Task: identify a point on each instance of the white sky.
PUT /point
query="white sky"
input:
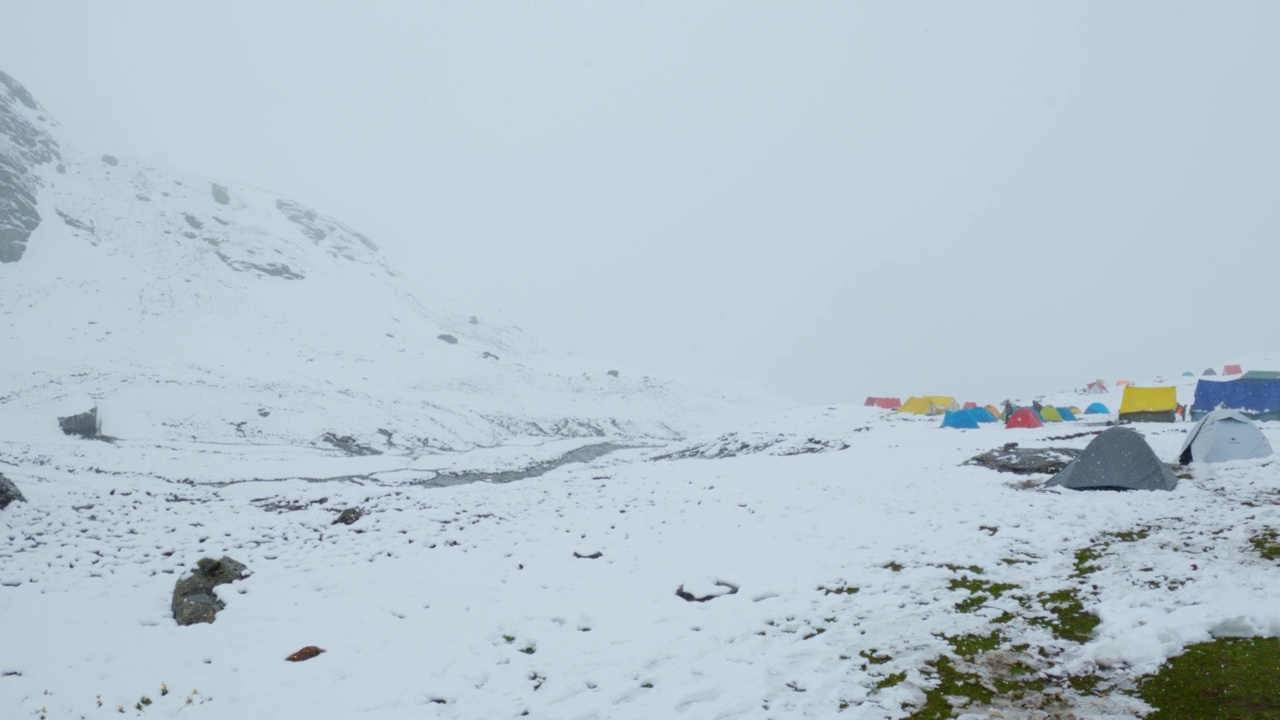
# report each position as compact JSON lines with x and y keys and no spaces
{"x":828,"y":199}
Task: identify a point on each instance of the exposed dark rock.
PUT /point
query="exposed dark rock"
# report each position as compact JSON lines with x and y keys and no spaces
{"x":73,"y":222}
{"x":193,"y":598}
{"x":62,"y":169}
{"x":221,"y":221}
{"x":730,"y":589}
{"x":9,"y":492}
{"x":193,"y":221}
{"x":110,"y":160}
{"x":613,"y":373}
{"x":337,"y":237}
{"x":142,"y":197}
{"x":279,"y":270}
{"x":189,"y":235}
{"x":734,"y":444}
{"x":474,"y":320}
{"x":220,"y":195}
{"x":24,"y":143}
{"x":593,"y":556}
{"x":448,"y":338}
{"x":85,"y":425}
{"x":348,"y":444}
{"x":348,"y":516}
{"x":263,"y":412}
{"x":1025,"y":461}
{"x":488,"y":355}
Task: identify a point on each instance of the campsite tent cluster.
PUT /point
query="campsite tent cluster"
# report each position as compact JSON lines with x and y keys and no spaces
{"x":1120,"y":459}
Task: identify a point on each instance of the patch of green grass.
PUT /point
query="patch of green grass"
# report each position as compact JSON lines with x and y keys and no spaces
{"x":1139,"y":533}
{"x":975,"y":569}
{"x":844,"y":590}
{"x":894,"y":566}
{"x":1071,"y":621}
{"x":872,"y":658}
{"x":1267,"y":543}
{"x":1084,"y":684}
{"x":951,"y":683}
{"x":980,"y":592}
{"x":1227,"y":679}
{"x":1084,"y":556}
{"x":890,"y":680}
{"x":970,"y":645}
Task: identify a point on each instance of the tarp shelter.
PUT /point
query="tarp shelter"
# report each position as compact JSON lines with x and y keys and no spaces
{"x":1096,"y":409}
{"x":1066,"y":414}
{"x":1097,"y":387}
{"x":1149,"y":404}
{"x":1049,"y":413}
{"x":961,"y":419}
{"x":1209,"y":371}
{"x":1118,"y":459}
{"x":883,"y":402}
{"x":1261,"y":375}
{"x":1024,"y":417}
{"x":1231,"y":370}
{"x":1258,"y":398}
{"x":1224,"y":435}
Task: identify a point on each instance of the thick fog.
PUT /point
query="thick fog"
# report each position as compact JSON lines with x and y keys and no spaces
{"x":826,"y":199}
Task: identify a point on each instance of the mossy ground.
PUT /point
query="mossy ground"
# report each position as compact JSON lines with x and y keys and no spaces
{"x":1227,"y":679}
{"x":1267,"y":543}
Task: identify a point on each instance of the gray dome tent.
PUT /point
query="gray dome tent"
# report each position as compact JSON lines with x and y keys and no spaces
{"x":1118,"y":459}
{"x":1224,"y":435}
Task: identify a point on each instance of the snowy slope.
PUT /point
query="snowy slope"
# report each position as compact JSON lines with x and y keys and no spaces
{"x":190,"y":309}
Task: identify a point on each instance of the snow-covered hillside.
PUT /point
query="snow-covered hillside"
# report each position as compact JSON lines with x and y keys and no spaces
{"x":470,"y":525}
{"x":187,"y":309}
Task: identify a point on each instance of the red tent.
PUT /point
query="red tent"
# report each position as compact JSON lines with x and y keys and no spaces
{"x":1024,"y":418}
{"x":1231,"y":370}
{"x":969,"y":405}
{"x":886,"y":403}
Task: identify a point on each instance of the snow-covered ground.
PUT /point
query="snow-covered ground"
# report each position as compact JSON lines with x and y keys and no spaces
{"x":472,"y":601}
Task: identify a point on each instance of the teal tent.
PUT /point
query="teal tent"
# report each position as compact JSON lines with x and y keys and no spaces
{"x":1096,"y":409}
{"x":960,"y":419}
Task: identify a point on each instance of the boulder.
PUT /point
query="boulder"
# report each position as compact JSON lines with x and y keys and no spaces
{"x":84,"y":424}
{"x":193,"y":598}
{"x":348,"y":516}
{"x":448,"y":338}
{"x":9,"y":492}
{"x":110,"y":160}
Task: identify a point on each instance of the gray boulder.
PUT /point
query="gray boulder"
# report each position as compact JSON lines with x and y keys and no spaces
{"x":193,"y":598}
{"x":85,"y":424}
{"x":9,"y":493}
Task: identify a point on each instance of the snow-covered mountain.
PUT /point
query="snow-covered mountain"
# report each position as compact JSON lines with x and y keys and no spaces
{"x":191,"y":309}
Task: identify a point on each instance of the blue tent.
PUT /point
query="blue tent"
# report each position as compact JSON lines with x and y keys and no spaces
{"x":960,"y":419}
{"x":1258,"y":397}
{"x":1066,"y":414}
{"x":1096,"y":409}
{"x":981,"y":414}
{"x":1188,"y":374}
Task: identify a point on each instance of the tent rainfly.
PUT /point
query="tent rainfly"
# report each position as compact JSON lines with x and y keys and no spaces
{"x":1209,"y":371}
{"x":1118,"y":459}
{"x":1024,"y":417}
{"x":929,"y":405}
{"x":1049,"y":413}
{"x":1096,"y":409}
{"x":1224,"y":435}
{"x":1258,"y":398}
{"x":960,"y":419}
{"x":1149,"y":404}
{"x":1066,"y":414}
{"x":1231,"y":370}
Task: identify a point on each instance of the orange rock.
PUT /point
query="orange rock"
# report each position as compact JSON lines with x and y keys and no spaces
{"x":305,"y":653}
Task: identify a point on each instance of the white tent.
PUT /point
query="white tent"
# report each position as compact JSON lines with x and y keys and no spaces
{"x":1224,"y":435}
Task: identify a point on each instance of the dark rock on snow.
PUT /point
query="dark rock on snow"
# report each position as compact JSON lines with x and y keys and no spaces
{"x":448,"y":338}
{"x":348,"y":516}
{"x":110,"y":160}
{"x":9,"y":493}
{"x":24,"y":144}
{"x":348,"y":444}
{"x":730,"y":589}
{"x":220,"y":195}
{"x":1025,"y":461}
{"x":193,"y":598}
{"x":85,"y":424}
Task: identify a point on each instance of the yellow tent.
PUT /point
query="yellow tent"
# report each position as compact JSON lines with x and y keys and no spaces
{"x":1049,"y":413}
{"x":1149,"y":404}
{"x":928,"y":405}
{"x":993,"y":410}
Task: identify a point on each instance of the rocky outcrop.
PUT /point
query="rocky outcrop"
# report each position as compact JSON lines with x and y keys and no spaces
{"x":193,"y":598}
{"x":25,"y":143}
{"x":334,"y":235}
{"x":9,"y":493}
{"x":1025,"y":461}
{"x":348,"y":444}
{"x":220,"y":195}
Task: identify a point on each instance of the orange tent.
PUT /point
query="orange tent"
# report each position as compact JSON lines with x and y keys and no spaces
{"x":1231,"y":370}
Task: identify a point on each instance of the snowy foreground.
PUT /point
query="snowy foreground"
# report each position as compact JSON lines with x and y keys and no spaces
{"x":471,"y":601}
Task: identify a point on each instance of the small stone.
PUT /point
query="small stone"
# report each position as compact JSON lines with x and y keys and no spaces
{"x":305,"y":653}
